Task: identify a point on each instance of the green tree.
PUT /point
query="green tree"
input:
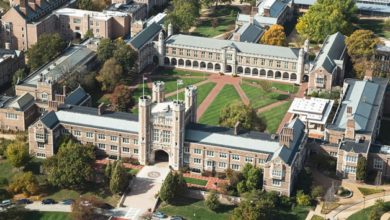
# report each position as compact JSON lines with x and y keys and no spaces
{"x":361,"y":170}
{"x":110,"y":74}
{"x":274,"y":36}
{"x":126,"y":56}
{"x":25,"y":183}
{"x":88,"y":34}
{"x":122,"y":99}
{"x":86,"y":5}
{"x":105,"y":49}
{"x":327,"y":17}
{"x":17,"y":153}
{"x":174,"y":185}
{"x":317,"y":191}
{"x":18,"y":75}
{"x":212,"y":201}
{"x":184,"y":14}
{"x":255,"y":179}
{"x":108,"y":170}
{"x":255,"y":205}
{"x":377,"y":210}
{"x":119,"y":179}
{"x":72,"y":167}
{"x":303,"y":199}
{"x":47,"y":47}
{"x":361,"y":48}
{"x":239,"y":112}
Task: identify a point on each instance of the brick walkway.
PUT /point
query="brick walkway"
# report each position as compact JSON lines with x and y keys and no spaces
{"x":212,"y":182}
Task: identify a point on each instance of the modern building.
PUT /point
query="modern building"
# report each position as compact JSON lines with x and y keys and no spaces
{"x":166,"y":131}
{"x":314,"y":112}
{"x":328,"y":68}
{"x":10,"y":62}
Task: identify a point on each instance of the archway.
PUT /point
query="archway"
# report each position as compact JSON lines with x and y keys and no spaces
{"x":155,"y":60}
{"x":263,"y":73}
{"x":247,"y":71}
{"x":285,"y":76}
{"x":161,"y":156}
{"x":228,"y":69}
{"x":166,"y":61}
{"x":278,"y":75}
{"x":181,"y":62}
{"x":270,"y":74}
{"x":195,"y":64}
{"x":217,"y":67}
{"x":174,"y":62}
{"x":188,"y":63}
{"x":305,"y":78}
{"x":202,"y":65}
{"x":76,"y":35}
{"x":210,"y":66}
{"x":255,"y":72}
{"x":293,"y":77}
{"x":239,"y":70}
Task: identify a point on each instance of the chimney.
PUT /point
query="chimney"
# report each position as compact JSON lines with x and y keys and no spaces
{"x":8,"y":45}
{"x":350,"y":129}
{"x":236,"y":36}
{"x":53,"y":106}
{"x":60,"y":98}
{"x":237,"y":128}
{"x":32,"y":4}
{"x":286,"y":136}
{"x":266,"y":12}
{"x":23,"y":6}
{"x":349,"y":112}
{"x":64,"y":90}
{"x":101,"y":109}
{"x":369,"y":74}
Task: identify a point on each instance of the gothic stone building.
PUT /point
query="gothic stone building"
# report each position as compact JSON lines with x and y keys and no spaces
{"x":166,"y":131}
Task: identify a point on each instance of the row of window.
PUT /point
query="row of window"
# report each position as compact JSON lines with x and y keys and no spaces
{"x":351,"y":159}
{"x":101,"y":136}
{"x":11,"y":116}
{"x":115,"y":148}
{"x":212,"y":164}
{"x":161,"y":136}
{"x":222,"y":155}
{"x":201,"y":54}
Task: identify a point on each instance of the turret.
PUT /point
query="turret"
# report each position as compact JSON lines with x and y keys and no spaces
{"x":170,"y":30}
{"x":306,"y":46}
{"x":158,"y":89}
{"x":190,"y":102}
{"x":178,"y":129}
{"x":161,"y":48}
{"x":144,"y":113}
{"x":300,"y":65}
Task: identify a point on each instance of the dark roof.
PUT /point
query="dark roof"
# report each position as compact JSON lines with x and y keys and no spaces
{"x":94,"y":111}
{"x":250,"y":33}
{"x":353,"y":146}
{"x":145,"y":35}
{"x":77,"y":96}
{"x":49,"y":119}
{"x":46,"y":8}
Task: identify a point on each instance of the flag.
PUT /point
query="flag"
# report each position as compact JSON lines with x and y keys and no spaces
{"x":179,"y":82}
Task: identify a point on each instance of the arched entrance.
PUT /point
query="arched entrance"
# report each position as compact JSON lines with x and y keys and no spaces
{"x":155,"y":60}
{"x":305,"y":78}
{"x":161,"y":156}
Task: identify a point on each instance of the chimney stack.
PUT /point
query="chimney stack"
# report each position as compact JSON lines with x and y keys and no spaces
{"x":101,"y":109}
{"x":23,"y":6}
{"x":53,"y":106}
{"x":8,"y":45}
{"x":237,"y":128}
{"x":349,"y":112}
{"x":266,"y":12}
{"x":286,"y":136}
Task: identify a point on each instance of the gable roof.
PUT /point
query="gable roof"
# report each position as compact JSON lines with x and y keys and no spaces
{"x":145,"y":35}
{"x":250,"y":33}
{"x":22,"y":102}
{"x":77,"y":96}
{"x":49,"y":119}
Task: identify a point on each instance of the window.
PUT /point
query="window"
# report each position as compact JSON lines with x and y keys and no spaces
{"x":378,"y":163}
{"x":261,"y":161}
{"x":44,"y":96}
{"x":320,"y":80}
{"x":223,"y":155}
{"x":135,"y":151}
{"x":285,"y":65}
{"x":278,"y":64}
{"x":351,"y":159}
{"x":349,"y":169}
{"x":294,"y":66}
{"x":235,"y":157}
{"x":126,"y":150}
{"x":126,"y":140}
{"x":101,"y":136}
{"x":235,"y":167}
{"x":270,"y":62}
{"x":77,"y":28}
{"x":249,"y":159}
{"x":11,"y":116}
{"x":41,"y":155}
{"x":333,"y":154}
{"x":77,"y":133}
{"x":210,"y":153}
{"x":186,"y":149}
{"x":262,"y":61}
{"x":188,"y":53}
{"x":41,"y":145}
{"x":156,"y":135}
{"x":39,"y":136}
{"x":197,"y":151}
{"x":218,"y":56}
{"x":166,"y":136}
{"x":97,"y":30}
{"x":97,"y":23}
{"x":135,"y":141}
{"x":180,"y":51}
{"x":185,"y":160}
{"x":203,"y":54}
{"x":114,"y":138}
{"x":276,"y":182}
{"x":101,"y":146}
{"x":210,"y":55}
{"x":114,"y":148}
{"x":276,"y":172}
{"x":210,"y":163}
{"x":89,"y":135}
{"x":197,"y":160}
{"x":255,"y":61}
{"x":173,"y":50}
{"x":76,"y":20}
{"x":247,"y":60}
{"x":222,"y":165}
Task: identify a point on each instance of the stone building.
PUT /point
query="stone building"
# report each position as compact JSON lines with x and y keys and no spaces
{"x":167,"y":131}
{"x":382,"y":58}
{"x":10,"y":62}
{"x":136,"y":11}
{"x":151,"y":4}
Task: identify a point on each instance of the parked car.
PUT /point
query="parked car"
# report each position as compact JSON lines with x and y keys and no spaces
{"x":159,"y":215}
{"x":177,"y":218}
{"x":48,"y":202}
{"x":23,"y":201}
{"x":5,"y":203}
{"x":68,"y":201}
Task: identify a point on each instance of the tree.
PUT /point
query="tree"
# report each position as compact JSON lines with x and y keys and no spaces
{"x":110,"y":74}
{"x":119,"y":179}
{"x":327,"y":17}
{"x":361,"y":168}
{"x":18,"y":75}
{"x":25,"y":183}
{"x":88,"y":34}
{"x":303,"y":199}
{"x":274,"y":36}
{"x":255,"y":205}
{"x":361,"y":48}
{"x":108,"y":170}
{"x":86,"y":5}
{"x":377,"y":210}
{"x":174,"y":185}
{"x":105,"y":49}
{"x":184,"y":14}
{"x":72,"y":167}
{"x":317,"y":191}
{"x":47,"y":47}
{"x":17,"y":153}
{"x":212,"y":201}
{"x":239,"y":112}
{"x":122,"y":99}
{"x":254,"y":179}
{"x":125,"y":55}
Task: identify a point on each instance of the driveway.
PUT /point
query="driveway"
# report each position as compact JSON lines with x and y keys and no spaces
{"x":143,"y":192}
{"x":48,"y":208}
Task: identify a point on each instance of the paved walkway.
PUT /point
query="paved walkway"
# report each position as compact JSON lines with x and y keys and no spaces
{"x":386,"y":216}
{"x":48,"y":208}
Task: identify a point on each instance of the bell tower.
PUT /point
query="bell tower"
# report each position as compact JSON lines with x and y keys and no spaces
{"x":144,"y":137}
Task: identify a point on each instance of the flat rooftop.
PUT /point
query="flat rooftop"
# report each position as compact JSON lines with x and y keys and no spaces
{"x":127,"y":8}
{"x":315,"y":109}
{"x":105,"y":15}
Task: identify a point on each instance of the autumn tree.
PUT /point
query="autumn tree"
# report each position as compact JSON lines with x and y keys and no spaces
{"x":17,"y":153}
{"x":255,"y":205}
{"x":361,"y":48}
{"x":239,"y":112}
{"x":122,"y":99}
{"x":110,"y":74}
{"x":212,"y":201}
{"x":274,"y":36}
{"x":327,"y":17}
{"x":184,"y":14}
{"x":25,"y":183}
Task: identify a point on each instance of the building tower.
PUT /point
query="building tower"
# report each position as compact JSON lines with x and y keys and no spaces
{"x":144,"y":107}
{"x":300,"y":65}
{"x":178,"y":129}
{"x":161,"y":48}
{"x":190,"y":100}
{"x":170,"y":30}
{"x":306,"y":46}
{"x":158,"y":92}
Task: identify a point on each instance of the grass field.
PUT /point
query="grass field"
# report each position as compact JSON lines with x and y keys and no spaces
{"x":225,"y":22}
{"x":375,"y":25}
{"x":368,"y":191}
{"x":196,"y":181}
{"x":203,"y":92}
{"x":258,"y":98}
{"x":227,"y":95}
{"x":364,"y":213}
{"x":177,"y":72}
{"x":279,"y":86}
{"x":170,"y":83}
{"x":195,"y":209}
{"x":296,"y":213}
{"x":34,"y":215}
{"x":274,"y":117}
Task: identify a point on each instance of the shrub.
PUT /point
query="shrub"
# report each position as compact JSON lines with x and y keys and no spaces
{"x":303,"y":199}
{"x":212,"y":201}
{"x":317,"y":191}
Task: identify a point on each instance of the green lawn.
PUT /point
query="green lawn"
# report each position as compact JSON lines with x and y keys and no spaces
{"x":196,"y":181}
{"x":177,"y":72}
{"x":139,"y":91}
{"x":34,"y":215}
{"x":377,"y":26}
{"x":368,"y":191}
{"x":317,"y":217}
{"x":258,"y":98}
{"x":192,"y":209}
{"x":170,"y":83}
{"x":7,"y":171}
{"x":296,"y":213}
{"x":203,"y":92}
{"x":227,"y":95}
{"x":279,"y":86}
{"x":225,"y":22}
{"x":272,"y":118}
{"x":364,"y":213}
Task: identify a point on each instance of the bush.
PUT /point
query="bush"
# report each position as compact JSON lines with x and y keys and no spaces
{"x":221,"y":175}
{"x":303,"y":199}
{"x":317,"y":191}
{"x":3,"y":181}
{"x":212,"y":201}
{"x":285,"y":202}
